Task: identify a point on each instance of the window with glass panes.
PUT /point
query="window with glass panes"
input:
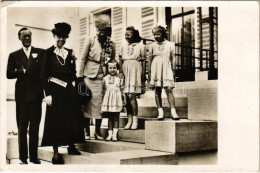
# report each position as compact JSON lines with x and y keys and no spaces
{"x":181,"y":28}
{"x":180,"y":22}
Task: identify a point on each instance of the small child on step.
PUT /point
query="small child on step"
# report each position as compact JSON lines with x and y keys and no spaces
{"x":162,"y":69}
{"x":113,"y":99}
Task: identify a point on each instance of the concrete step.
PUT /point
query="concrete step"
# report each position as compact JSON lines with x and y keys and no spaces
{"x":181,"y":136}
{"x":46,"y":153}
{"x":137,"y":157}
{"x":136,"y":136}
{"x":17,"y":162}
{"x":152,"y":112}
{"x":147,"y":106}
{"x":101,"y":146}
{"x":149,"y":101}
{"x":198,"y":158}
{"x":132,"y":157}
{"x":141,"y":121}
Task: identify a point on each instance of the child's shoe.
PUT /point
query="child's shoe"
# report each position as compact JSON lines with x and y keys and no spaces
{"x":135,"y":123}
{"x":174,"y":114}
{"x":114,"y":138}
{"x":129,"y":122}
{"x":160,"y":112}
{"x":110,"y":134}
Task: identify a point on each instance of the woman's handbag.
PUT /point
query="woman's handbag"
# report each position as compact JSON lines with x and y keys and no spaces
{"x":83,"y":91}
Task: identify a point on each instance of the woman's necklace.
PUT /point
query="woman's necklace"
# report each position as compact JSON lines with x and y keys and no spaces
{"x":60,"y":61}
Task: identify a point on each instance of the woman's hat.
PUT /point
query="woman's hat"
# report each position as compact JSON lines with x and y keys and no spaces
{"x":61,"y":30}
{"x":102,"y":21}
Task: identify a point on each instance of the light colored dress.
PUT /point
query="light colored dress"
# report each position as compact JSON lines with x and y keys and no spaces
{"x":132,"y":54}
{"x":161,"y":68}
{"x":112,"y":101}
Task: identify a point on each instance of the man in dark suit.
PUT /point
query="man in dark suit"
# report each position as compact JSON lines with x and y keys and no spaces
{"x":24,"y":65}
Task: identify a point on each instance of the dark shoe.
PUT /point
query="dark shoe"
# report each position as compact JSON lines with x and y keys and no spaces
{"x":175,"y":118}
{"x":35,"y":161}
{"x":23,"y":162}
{"x":57,"y":161}
{"x":98,"y":137}
{"x":160,"y":119}
{"x":73,"y":151}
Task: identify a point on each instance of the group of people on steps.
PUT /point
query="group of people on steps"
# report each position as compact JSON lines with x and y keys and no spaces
{"x":50,"y":75}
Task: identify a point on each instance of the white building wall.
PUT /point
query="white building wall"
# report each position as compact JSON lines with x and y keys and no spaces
{"x":133,"y":17}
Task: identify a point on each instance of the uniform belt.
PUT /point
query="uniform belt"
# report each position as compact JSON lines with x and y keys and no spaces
{"x":99,"y":62}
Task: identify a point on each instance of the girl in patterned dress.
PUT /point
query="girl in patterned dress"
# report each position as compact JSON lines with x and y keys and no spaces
{"x":131,"y":65}
{"x":112,"y":101}
{"x":162,"y":69}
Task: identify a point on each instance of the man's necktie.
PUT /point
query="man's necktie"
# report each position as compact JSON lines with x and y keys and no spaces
{"x":27,"y":52}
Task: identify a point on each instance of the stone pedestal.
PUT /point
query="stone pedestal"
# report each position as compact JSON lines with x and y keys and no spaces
{"x":180,"y":136}
{"x":201,"y":76}
{"x":202,"y":99}
{"x":203,"y":104}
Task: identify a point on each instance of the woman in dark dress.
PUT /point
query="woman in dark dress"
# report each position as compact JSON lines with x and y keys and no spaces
{"x":64,"y":116}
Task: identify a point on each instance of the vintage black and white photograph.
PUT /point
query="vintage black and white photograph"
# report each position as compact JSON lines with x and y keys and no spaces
{"x":112,"y":85}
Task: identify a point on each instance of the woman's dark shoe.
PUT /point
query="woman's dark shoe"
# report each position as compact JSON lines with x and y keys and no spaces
{"x":57,"y":161}
{"x":73,"y":151}
{"x":98,"y":137}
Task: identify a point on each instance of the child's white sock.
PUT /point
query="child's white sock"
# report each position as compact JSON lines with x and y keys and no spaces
{"x":160,"y":112}
{"x":174,"y":114}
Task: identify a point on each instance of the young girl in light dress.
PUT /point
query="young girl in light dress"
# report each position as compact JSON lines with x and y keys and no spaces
{"x":132,"y":66}
{"x":113,"y":99}
{"x":162,"y":69}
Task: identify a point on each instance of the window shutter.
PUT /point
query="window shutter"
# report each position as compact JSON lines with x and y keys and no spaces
{"x":83,"y":32}
{"x":148,"y":21}
{"x":118,"y":24}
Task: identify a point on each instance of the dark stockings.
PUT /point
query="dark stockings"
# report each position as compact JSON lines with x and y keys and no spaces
{"x":158,"y":97}
{"x":132,"y":103}
{"x":113,"y":121}
{"x":87,"y":126}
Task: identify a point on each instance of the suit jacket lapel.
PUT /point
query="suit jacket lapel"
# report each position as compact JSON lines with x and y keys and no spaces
{"x":23,"y":58}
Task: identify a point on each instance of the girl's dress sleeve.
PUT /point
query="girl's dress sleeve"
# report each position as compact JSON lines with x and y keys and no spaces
{"x":121,"y":82}
{"x":141,"y":51}
{"x":150,"y":57}
{"x":172,"y":48}
{"x":172,"y":56}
